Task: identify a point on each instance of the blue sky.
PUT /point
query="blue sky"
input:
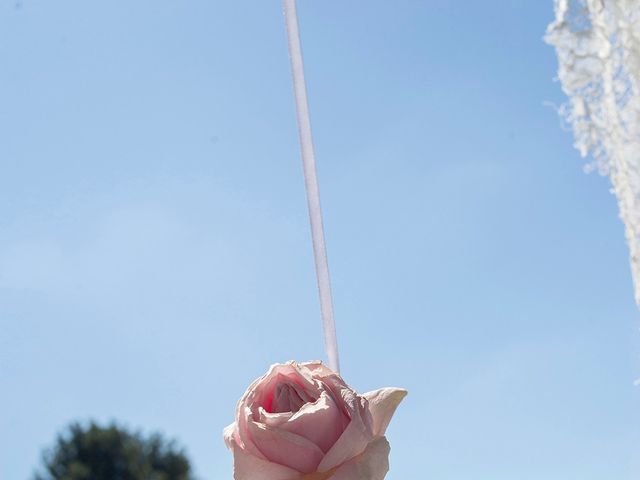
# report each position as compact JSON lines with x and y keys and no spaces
{"x":154,"y":245}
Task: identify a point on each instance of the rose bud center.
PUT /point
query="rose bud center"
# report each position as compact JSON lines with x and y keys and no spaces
{"x":288,"y":396}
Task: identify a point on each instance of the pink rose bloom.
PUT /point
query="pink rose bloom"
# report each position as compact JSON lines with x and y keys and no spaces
{"x":301,"y":421}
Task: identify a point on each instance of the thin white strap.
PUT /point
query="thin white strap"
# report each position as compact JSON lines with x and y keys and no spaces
{"x":311,"y":183}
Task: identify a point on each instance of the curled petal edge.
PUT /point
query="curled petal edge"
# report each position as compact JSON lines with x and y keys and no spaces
{"x":382,"y":406}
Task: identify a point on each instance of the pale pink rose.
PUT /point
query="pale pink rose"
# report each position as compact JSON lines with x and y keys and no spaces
{"x":301,"y":421}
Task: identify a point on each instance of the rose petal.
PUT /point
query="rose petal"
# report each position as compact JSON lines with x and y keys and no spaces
{"x":286,"y":448}
{"x":382,"y":405}
{"x":343,"y":396}
{"x":242,"y":433}
{"x":273,"y":419}
{"x":229,"y":434}
{"x":319,"y":475}
{"x":354,"y":439}
{"x":373,"y":464}
{"x":248,"y":467}
{"x":320,"y":422}
{"x":316,"y":369}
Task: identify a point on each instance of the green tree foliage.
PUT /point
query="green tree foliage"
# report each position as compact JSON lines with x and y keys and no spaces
{"x":92,"y":452}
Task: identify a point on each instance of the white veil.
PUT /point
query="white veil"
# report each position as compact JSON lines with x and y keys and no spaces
{"x":598,"y":47}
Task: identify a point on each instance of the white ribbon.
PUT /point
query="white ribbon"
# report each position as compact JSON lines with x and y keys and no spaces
{"x":311,"y":183}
